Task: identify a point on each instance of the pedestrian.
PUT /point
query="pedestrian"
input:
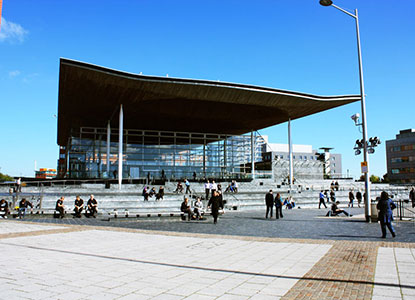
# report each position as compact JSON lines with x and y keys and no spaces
{"x":198,"y":208}
{"x":23,"y":204}
{"x":185,"y":208}
{"x":207,"y":189}
{"x":351,"y":199}
{"x":336,"y":185}
{"x":4,"y":208}
{"x":385,"y":206}
{"x":187,"y":184}
{"x":321,"y":200}
{"x":145,"y":193}
{"x":278,"y":206}
{"x":79,"y":206}
{"x":269,"y":201}
{"x":235,"y":186}
{"x":332,"y":196}
{"x":335,"y":210}
{"x":326,"y":196}
{"x":412,"y":197}
{"x":60,"y":208}
{"x":160,"y":194}
{"x":213,"y":187}
{"x":92,"y":207}
{"x":215,"y":204}
{"x":358,"y":197}
{"x":19,"y":185}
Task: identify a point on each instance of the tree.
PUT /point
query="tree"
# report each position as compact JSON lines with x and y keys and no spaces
{"x":374,"y":179}
{"x":385,"y":178}
{"x":5,"y":177}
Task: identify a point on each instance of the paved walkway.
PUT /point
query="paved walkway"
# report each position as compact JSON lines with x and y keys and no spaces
{"x":96,"y":262}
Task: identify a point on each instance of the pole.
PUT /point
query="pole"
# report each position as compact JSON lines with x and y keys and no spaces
{"x":290,"y":154}
{"x":120,"y":142}
{"x":108,"y":147}
{"x":364,"y":124}
{"x":363,"y":105}
{"x":252,"y":155}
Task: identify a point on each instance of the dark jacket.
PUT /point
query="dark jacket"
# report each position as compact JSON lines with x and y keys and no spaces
{"x":184,"y":207}
{"x":215,"y":203}
{"x":385,"y":208}
{"x":269,"y":199}
{"x":278,"y":201}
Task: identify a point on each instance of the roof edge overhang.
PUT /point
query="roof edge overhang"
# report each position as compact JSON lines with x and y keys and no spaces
{"x":100,"y":90}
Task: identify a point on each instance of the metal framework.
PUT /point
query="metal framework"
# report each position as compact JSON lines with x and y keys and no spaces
{"x":147,"y":153}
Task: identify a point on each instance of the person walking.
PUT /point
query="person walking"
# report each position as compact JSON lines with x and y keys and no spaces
{"x":269,"y":201}
{"x":412,"y":197}
{"x":278,"y":206}
{"x":207,"y":189}
{"x":385,"y":207}
{"x":321,"y":199}
{"x":215,"y":204}
{"x":213,"y":187}
{"x":351,"y":199}
{"x":358,"y":198}
{"x":187,"y":184}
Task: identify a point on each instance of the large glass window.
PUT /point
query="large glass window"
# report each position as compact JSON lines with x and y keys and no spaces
{"x":151,"y":153}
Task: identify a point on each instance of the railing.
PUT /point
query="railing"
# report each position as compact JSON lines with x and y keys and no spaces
{"x":405,"y":210}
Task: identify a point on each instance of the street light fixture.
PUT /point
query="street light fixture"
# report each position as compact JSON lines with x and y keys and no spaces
{"x":363,"y":106}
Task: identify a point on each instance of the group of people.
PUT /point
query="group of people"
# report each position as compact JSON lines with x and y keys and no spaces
{"x":196,"y":213}
{"x":149,"y":193}
{"x":270,"y":202}
{"x":210,"y":187}
{"x":232,"y":187}
{"x":352,"y":197}
{"x":23,"y":206}
{"x":91,"y":208}
{"x":334,"y":185}
{"x":179,"y":187}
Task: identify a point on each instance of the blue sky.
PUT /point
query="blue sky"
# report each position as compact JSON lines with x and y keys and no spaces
{"x":292,"y":45}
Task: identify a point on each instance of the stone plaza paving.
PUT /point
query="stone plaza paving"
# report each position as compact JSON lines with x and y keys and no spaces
{"x":87,"y":260}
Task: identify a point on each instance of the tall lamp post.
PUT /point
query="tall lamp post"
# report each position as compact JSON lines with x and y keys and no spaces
{"x":363,"y":105}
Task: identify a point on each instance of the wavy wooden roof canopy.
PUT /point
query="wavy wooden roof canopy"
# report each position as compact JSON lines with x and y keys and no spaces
{"x":90,"y":95}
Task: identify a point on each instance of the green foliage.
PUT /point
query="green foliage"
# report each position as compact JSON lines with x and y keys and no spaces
{"x":374,"y":179}
{"x":5,"y":177}
{"x":385,"y":178}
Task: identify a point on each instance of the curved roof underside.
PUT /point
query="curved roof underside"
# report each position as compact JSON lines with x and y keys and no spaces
{"x":90,"y":95}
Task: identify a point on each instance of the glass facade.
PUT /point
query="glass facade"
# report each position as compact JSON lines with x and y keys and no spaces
{"x":151,"y":153}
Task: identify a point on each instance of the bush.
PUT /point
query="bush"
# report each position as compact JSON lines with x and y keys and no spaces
{"x":5,"y":177}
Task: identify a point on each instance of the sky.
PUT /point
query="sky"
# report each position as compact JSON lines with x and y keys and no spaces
{"x":290,"y":45}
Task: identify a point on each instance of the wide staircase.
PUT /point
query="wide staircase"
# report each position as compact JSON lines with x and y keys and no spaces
{"x":250,"y":195}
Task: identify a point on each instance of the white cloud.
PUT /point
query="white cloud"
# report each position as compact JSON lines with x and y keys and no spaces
{"x":11,"y":32}
{"x":14,"y":73}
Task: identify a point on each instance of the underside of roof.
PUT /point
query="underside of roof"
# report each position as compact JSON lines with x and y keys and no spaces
{"x":90,"y":95}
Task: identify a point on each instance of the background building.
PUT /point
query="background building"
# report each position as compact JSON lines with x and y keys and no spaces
{"x":113,"y":124}
{"x":308,"y":162}
{"x":400,"y":157}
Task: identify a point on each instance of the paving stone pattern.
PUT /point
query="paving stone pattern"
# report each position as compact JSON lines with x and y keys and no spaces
{"x":88,"y":260}
{"x":297,"y":224}
{"x":99,"y":264}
